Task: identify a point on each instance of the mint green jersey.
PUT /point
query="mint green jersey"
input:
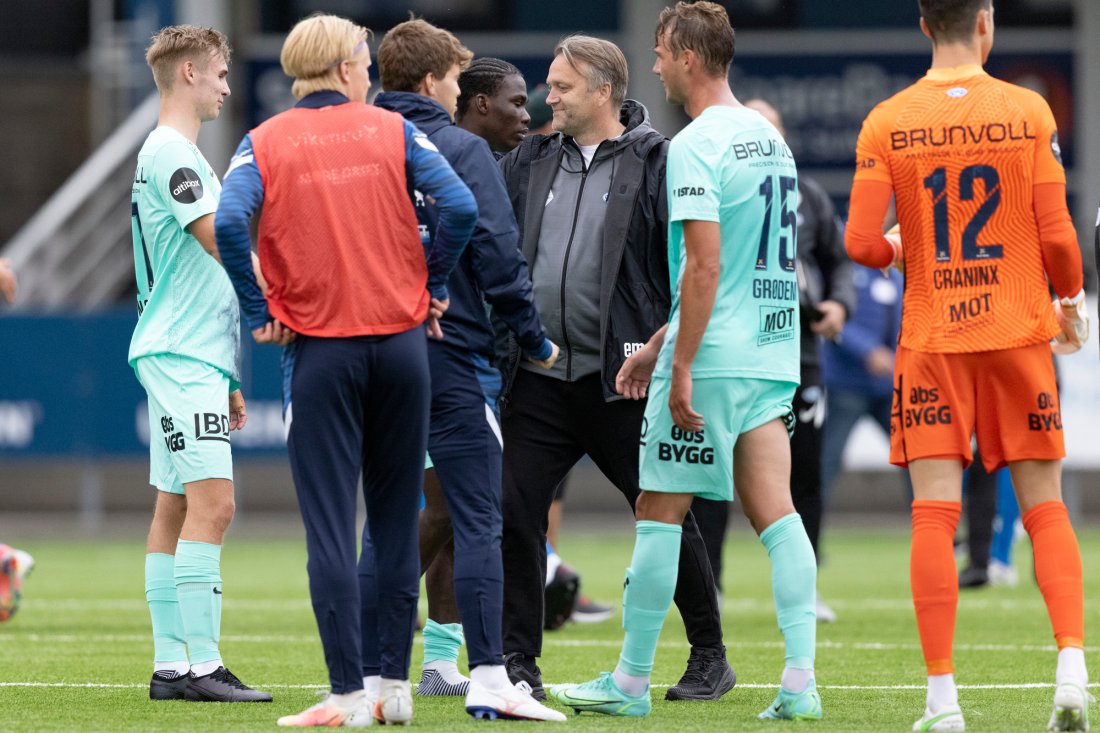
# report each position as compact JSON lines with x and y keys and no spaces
{"x":186,"y":304}
{"x":732,"y":167}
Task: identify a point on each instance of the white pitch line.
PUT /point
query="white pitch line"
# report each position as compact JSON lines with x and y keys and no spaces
{"x":104,"y":604}
{"x":740,"y":685}
{"x":568,"y":643}
{"x":128,"y":686}
{"x":746,"y":605}
{"x":778,"y":644}
{"x":142,"y":638}
{"x":752,"y":605}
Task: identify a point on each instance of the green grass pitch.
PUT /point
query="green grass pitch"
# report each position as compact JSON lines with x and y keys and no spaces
{"x":77,"y":656}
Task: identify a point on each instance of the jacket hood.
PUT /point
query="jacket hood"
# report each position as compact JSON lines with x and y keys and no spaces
{"x":424,"y":112}
{"x":634,"y":115}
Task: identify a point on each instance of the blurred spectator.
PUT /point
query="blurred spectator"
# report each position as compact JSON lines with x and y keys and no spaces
{"x":564,"y":600}
{"x":542,"y":117}
{"x":859,"y":366}
{"x":15,"y":566}
{"x":7,"y":281}
{"x":992,"y":514}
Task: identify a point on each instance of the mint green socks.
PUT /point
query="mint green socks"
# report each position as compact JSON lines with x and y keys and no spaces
{"x":442,"y":642}
{"x":169,"y":646}
{"x":647,"y":596}
{"x":198,"y":586}
{"x":794,"y":587}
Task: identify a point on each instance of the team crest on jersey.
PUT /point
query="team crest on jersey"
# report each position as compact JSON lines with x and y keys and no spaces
{"x":185,"y":186}
{"x":957,"y":92}
{"x":1055,"y":147}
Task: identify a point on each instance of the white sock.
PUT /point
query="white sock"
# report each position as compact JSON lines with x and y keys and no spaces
{"x":348,"y":700}
{"x":448,"y":671}
{"x":942,"y":692}
{"x":372,"y":684}
{"x":553,"y":562}
{"x":204,"y":668}
{"x":630,"y":684}
{"x":490,"y":676}
{"x":179,"y":668}
{"x":387,"y":686}
{"x":795,"y":679}
{"x":1071,"y":666}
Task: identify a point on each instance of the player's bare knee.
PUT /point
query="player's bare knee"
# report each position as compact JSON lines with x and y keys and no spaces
{"x":657,"y":506}
{"x":223,"y":512}
{"x":1036,"y":482}
{"x":212,"y":506}
{"x":168,"y":516}
{"x":763,"y":514}
{"x":435,"y":522}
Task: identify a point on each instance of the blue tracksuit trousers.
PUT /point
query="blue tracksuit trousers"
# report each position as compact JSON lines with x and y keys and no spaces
{"x":360,"y":405}
{"x":465,"y":446}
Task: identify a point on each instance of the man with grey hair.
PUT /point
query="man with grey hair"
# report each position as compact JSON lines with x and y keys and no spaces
{"x":591,"y":205}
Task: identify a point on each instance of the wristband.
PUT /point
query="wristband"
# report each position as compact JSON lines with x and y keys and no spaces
{"x":1075,"y":300}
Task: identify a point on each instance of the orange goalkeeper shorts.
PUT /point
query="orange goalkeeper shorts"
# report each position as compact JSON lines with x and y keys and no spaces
{"x":1008,"y":398}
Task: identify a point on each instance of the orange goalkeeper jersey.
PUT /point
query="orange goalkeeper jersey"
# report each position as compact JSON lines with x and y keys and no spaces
{"x":963,"y":152}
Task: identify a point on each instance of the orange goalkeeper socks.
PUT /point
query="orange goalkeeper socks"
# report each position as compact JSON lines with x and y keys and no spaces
{"x":1058,"y":570}
{"x":934,"y":582}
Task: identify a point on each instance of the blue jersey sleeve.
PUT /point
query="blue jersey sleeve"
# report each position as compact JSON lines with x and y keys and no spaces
{"x":433,"y":176}
{"x":242,"y":195}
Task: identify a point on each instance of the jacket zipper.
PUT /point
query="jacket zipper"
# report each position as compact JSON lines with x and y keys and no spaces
{"x":565,"y":269}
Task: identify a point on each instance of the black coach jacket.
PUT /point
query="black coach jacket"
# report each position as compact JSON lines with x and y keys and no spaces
{"x":635,"y":294}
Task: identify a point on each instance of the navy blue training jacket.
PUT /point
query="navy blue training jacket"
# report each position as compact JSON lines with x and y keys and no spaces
{"x":491,"y":270}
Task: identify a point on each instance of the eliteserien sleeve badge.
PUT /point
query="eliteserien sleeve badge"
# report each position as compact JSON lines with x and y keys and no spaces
{"x":1055,"y":147}
{"x":423,"y":141}
{"x":185,"y":186}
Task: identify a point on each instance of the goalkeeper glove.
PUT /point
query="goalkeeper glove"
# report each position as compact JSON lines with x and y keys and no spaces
{"x":1074,"y":322}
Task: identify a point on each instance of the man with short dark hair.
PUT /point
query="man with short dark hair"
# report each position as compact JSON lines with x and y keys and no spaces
{"x":590,"y":201}
{"x":464,"y":438}
{"x":984,"y":236}
{"x":730,"y":349}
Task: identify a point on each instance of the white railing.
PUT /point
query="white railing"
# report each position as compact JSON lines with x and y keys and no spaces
{"x":75,"y":252}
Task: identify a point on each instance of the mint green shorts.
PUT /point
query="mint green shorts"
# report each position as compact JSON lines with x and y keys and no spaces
{"x":188,"y":421}
{"x":679,"y":462}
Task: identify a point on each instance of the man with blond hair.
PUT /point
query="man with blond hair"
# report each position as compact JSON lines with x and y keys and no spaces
{"x":419,"y":65}
{"x":592,"y":212}
{"x":721,"y":375}
{"x":186,"y":354}
{"x":341,"y":249}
